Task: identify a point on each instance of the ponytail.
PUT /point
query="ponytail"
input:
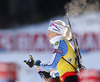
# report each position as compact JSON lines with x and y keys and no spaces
{"x":67,"y":33}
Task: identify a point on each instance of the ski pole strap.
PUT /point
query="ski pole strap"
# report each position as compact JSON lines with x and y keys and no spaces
{"x":57,"y":51}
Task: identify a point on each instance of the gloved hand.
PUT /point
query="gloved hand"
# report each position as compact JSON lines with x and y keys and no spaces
{"x":37,"y":63}
{"x":44,"y":74}
{"x":30,"y":63}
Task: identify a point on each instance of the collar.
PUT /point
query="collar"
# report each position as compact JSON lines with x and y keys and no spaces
{"x":55,"y":39}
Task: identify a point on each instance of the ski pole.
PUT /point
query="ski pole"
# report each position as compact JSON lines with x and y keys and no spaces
{"x":38,"y":68}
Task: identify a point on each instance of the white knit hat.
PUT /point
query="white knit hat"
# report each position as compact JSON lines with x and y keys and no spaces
{"x":58,"y":28}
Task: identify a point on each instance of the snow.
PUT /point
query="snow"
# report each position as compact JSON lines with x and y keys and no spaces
{"x":25,"y":74}
{"x":88,"y":22}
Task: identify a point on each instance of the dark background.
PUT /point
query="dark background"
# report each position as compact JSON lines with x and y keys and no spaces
{"x":21,"y":12}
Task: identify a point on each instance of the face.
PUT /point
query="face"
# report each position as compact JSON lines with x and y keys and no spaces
{"x":51,"y":34}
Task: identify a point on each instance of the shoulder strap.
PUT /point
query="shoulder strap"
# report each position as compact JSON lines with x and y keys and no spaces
{"x":66,"y":40}
{"x":70,"y":64}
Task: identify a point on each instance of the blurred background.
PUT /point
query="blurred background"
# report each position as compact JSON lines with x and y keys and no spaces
{"x":23,"y":31}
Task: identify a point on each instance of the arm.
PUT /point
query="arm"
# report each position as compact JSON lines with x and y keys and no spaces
{"x":53,"y":62}
{"x":56,"y":56}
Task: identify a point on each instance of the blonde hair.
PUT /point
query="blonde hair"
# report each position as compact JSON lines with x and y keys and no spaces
{"x":67,"y":32}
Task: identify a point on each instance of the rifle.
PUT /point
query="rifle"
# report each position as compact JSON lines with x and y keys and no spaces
{"x":75,"y":44}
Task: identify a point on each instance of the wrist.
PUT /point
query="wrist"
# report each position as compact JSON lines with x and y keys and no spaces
{"x":52,"y":74}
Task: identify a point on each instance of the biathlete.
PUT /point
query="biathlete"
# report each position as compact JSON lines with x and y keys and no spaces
{"x":63,"y":56}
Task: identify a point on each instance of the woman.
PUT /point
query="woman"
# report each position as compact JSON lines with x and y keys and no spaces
{"x":63,"y":56}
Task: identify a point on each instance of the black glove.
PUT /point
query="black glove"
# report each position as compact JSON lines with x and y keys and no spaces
{"x":30,"y":63}
{"x":44,"y":74}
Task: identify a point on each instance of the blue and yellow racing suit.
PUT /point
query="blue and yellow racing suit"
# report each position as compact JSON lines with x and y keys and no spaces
{"x":63,"y":51}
